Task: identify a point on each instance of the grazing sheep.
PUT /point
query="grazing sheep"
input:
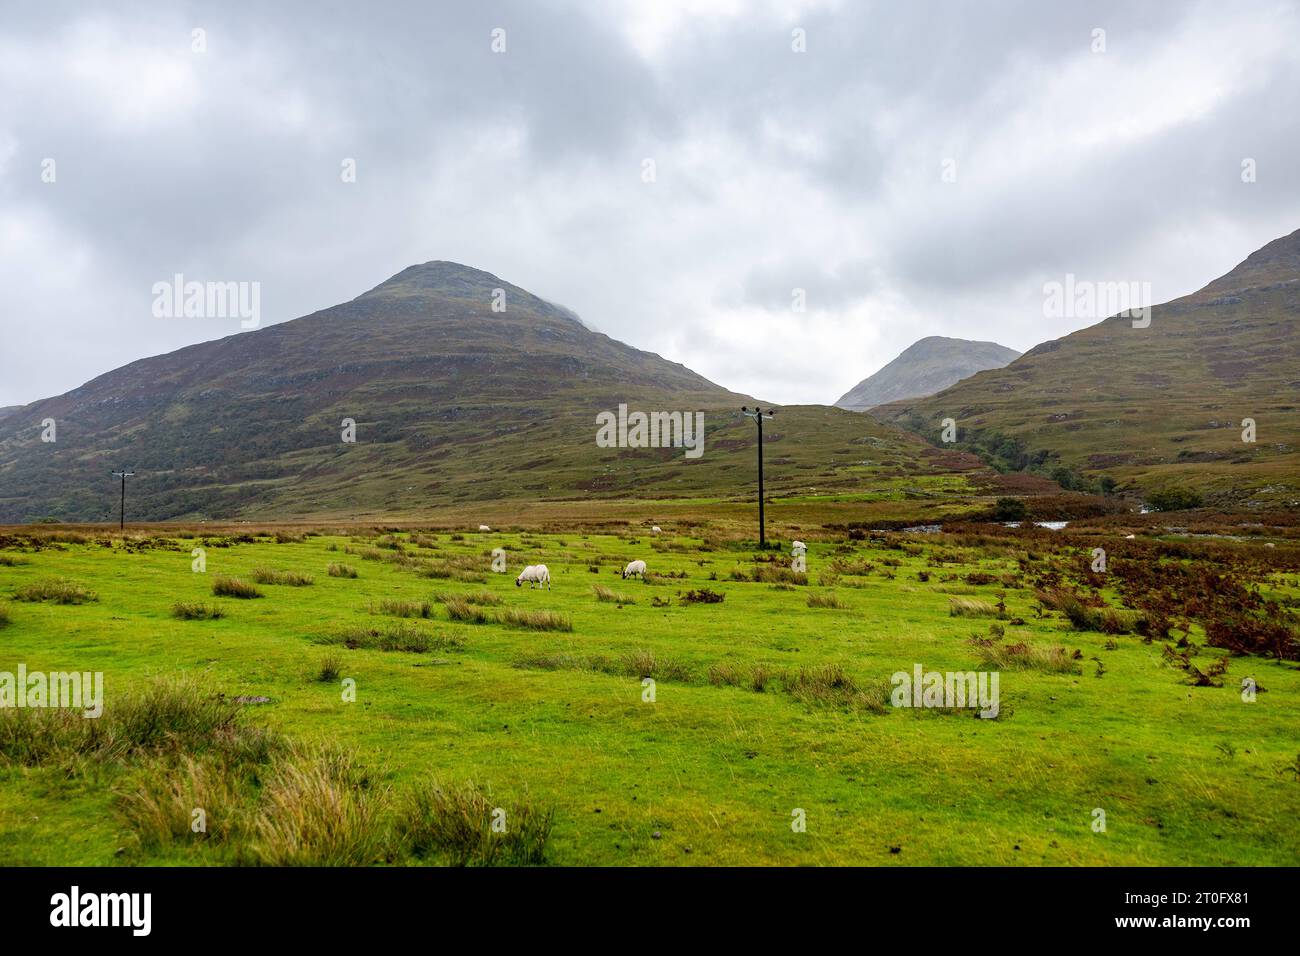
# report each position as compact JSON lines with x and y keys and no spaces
{"x":484,"y":527}
{"x":537,"y":576}
{"x":635,"y":569}
{"x":657,"y":530}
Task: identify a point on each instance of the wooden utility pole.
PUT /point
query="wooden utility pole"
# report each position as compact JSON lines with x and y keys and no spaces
{"x":124,"y":475}
{"x":758,"y":415}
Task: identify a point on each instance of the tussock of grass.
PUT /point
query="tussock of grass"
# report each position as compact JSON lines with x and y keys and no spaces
{"x":197,"y":611}
{"x":481,"y":598}
{"x":456,"y":823}
{"x":829,"y":686}
{"x":826,"y":600}
{"x":294,"y":579}
{"x":56,"y":590}
{"x":402,"y":636}
{"x":610,"y":596}
{"x":535,"y":620}
{"x":331,"y":666}
{"x":970,"y":607}
{"x":235,"y":588}
{"x":11,"y":560}
{"x":337,"y":570}
{"x":1022,"y":657}
{"x":1083,"y":617}
{"x":461,"y":610}
{"x":403,"y":608}
{"x":315,"y":811}
{"x":167,"y":716}
{"x":769,"y":574}
{"x":5,"y":619}
{"x":159,"y":808}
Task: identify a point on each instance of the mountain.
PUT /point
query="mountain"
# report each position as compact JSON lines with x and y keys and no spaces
{"x":452,"y":401}
{"x":1155,"y":407}
{"x":926,"y":366}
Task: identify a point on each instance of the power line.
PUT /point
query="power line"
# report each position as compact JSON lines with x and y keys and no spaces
{"x":758,"y":415}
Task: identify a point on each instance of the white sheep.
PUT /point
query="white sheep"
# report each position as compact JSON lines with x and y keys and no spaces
{"x":635,"y":569}
{"x":484,"y":527}
{"x":657,"y":530}
{"x":537,"y":576}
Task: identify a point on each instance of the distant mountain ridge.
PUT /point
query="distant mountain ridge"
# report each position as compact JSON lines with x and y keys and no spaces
{"x":926,"y":366}
{"x":463,"y":388}
{"x":1207,"y":395}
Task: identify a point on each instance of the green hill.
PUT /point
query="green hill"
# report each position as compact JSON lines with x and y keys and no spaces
{"x":453,"y":403}
{"x":1152,"y":408}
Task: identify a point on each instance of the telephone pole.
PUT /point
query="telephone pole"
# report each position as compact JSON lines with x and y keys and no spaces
{"x":758,"y":415}
{"x":124,"y":475}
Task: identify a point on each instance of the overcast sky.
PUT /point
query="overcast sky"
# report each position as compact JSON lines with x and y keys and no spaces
{"x":775,"y":170}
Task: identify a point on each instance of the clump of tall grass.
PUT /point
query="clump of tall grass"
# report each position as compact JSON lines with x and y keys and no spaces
{"x":159,"y":808}
{"x":535,"y":620}
{"x":769,"y":574}
{"x":223,"y":586}
{"x":829,"y":686}
{"x":167,"y":716}
{"x":316,"y":810}
{"x":644,"y":663}
{"x":461,"y":610}
{"x":1083,"y":617}
{"x":337,"y":570}
{"x":293,"y":579}
{"x":197,"y":611}
{"x":826,"y":600}
{"x":462,"y":825}
{"x":57,"y":590}
{"x":1022,"y":656}
{"x":610,"y":596}
{"x":755,"y":678}
{"x":331,"y":666}
{"x":402,"y":636}
{"x":481,"y":598}
{"x":403,"y":608}
{"x":970,"y":607}
{"x":11,"y":560}
{"x":5,"y":619}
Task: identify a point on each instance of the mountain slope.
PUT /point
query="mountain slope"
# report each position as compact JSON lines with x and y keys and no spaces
{"x":1152,"y":407}
{"x":926,"y":366}
{"x":453,"y":402}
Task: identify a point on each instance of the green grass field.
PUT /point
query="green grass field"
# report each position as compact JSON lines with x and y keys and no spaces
{"x":712,"y":771}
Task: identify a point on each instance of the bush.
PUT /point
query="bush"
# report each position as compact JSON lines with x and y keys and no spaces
{"x":57,"y":590}
{"x":1010,"y":509}
{"x":1174,"y":499}
{"x":235,"y":588}
{"x":703,"y":596}
{"x":196,"y":611}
